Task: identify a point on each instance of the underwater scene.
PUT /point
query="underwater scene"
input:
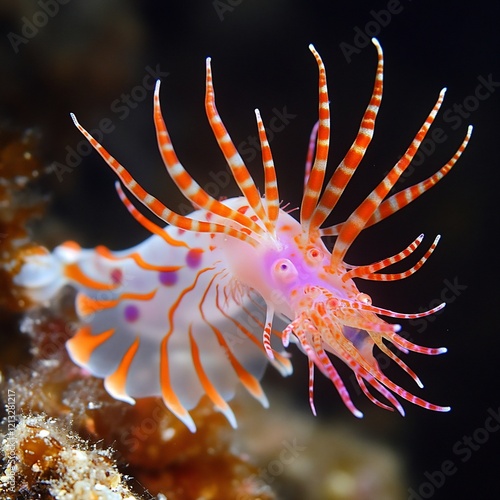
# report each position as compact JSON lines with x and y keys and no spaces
{"x":244,"y":250}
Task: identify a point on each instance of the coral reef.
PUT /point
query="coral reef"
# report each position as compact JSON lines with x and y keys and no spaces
{"x":64,"y":437}
{"x":52,"y":404}
{"x":150,"y":443}
{"x":19,"y":165}
{"x":45,"y":459}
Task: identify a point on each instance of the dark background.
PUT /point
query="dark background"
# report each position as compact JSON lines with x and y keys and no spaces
{"x":90,"y":52}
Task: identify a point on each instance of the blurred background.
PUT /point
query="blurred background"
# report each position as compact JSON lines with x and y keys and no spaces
{"x":100,"y":59}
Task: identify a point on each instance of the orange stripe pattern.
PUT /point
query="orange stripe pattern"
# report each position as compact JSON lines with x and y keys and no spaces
{"x":244,"y":271}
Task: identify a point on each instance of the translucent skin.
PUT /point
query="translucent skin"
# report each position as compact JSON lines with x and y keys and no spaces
{"x":327,"y":312}
{"x":160,"y":303}
{"x":181,"y":314}
{"x":231,"y":288}
{"x":281,"y":267}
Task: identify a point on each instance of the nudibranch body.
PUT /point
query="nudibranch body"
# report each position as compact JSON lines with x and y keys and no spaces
{"x":206,"y":302}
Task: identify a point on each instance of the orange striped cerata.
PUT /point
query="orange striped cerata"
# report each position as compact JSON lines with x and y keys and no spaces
{"x":206,"y":302}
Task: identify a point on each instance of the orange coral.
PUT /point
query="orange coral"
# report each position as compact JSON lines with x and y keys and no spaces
{"x":19,"y":164}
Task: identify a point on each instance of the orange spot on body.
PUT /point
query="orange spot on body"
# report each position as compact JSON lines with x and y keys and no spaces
{"x":72,"y":245}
